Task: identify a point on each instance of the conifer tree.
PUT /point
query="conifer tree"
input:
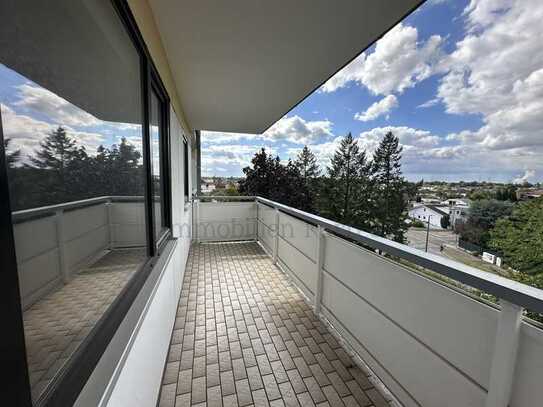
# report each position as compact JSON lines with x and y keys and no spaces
{"x":390,"y":210}
{"x":346,"y":194}
{"x":307,"y":164}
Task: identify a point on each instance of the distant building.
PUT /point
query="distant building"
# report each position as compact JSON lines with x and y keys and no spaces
{"x":526,"y":194}
{"x":429,"y":213}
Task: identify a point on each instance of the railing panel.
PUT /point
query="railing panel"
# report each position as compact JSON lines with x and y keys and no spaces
{"x":38,"y":275}
{"x":527,"y":389}
{"x":265,"y":236}
{"x":266,"y":215}
{"x":81,"y":252}
{"x":79,"y":222}
{"x":299,"y":234}
{"x":401,"y":361}
{"x":223,"y":221}
{"x":299,"y":266}
{"x":33,"y":237}
{"x":440,"y":320}
{"x":127,"y":224}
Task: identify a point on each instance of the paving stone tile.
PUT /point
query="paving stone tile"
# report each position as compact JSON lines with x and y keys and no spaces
{"x":182,"y":400}
{"x":307,"y":355}
{"x":255,"y":379}
{"x":341,"y":370}
{"x":279,"y":372}
{"x":288,"y":394}
{"x":338,"y":384}
{"x":184,"y":381}
{"x":296,"y":381}
{"x":259,"y":398}
{"x":167,"y":395}
{"x":230,"y":401}
{"x":286,"y":360}
{"x":324,"y":363}
{"x":214,"y":397}
{"x":277,"y":403}
{"x":238,"y":366}
{"x":270,"y":385}
{"x":314,"y":389}
{"x":227,"y":383}
{"x":360,"y":378}
{"x":302,"y":367}
{"x":170,"y":373}
{"x":306,"y":400}
{"x":332,"y":396}
{"x":243,"y":392}
{"x":199,"y":392}
{"x":212,"y":375}
{"x":358,"y":393}
{"x":320,"y":376}
{"x":199,"y":366}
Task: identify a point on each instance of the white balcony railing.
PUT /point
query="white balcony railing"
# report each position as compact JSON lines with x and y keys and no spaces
{"x":432,"y":345}
{"x":54,"y":242}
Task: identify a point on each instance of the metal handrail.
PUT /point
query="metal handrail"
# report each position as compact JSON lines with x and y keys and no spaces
{"x":512,"y":291}
{"x":33,"y":213}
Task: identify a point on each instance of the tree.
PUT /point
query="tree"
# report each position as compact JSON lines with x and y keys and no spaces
{"x":12,"y":157}
{"x":390,"y":189}
{"x":307,"y":164}
{"x":520,"y":237}
{"x":57,"y":150}
{"x":270,"y":179}
{"x":445,"y":221}
{"x":507,"y":193}
{"x":483,"y":215}
{"x":346,"y":196}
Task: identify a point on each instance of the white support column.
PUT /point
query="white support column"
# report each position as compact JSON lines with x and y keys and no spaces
{"x":196,"y":210}
{"x":502,"y":370}
{"x":276,"y":236}
{"x":59,"y":221}
{"x":319,"y":268}
{"x":109,"y":225}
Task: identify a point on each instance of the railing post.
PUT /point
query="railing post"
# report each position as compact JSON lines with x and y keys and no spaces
{"x":59,"y":221}
{"x":276,"y":233}
{"x":502,"y":370}
{"x":196,"y":208}
{"x":109,"y":224}
{"x":319,"y":267}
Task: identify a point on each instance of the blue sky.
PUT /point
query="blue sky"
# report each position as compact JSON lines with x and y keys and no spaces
{"x":460,"y":82}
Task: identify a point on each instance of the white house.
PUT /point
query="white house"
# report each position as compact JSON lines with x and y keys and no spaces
{"x":429,"y":213}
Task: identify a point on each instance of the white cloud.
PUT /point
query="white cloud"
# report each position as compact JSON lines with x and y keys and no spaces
{"x":239,"y":155}
{"x":299,"y":131}
{"x":526,"y":177}
{"x":40,"y":100}
{"x":428,"y":103}
{"x":26,"y":133}
{"x":399,"y":62}
{"x":377,"y":109}
{"x":496,"y":72}
{"x":217,"y":137}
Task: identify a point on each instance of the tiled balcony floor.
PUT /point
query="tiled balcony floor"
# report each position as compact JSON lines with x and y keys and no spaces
{"x":58,"y":323}
{"x":245,"y":336}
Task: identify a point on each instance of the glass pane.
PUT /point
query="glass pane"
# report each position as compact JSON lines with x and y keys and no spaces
{"x":156,"y":164}
{"x":72,"y":128}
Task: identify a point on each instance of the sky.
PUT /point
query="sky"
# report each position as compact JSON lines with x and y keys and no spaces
{"x":460,"y":82}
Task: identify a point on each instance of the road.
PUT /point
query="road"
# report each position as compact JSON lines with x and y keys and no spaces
{"x":417,"y":238}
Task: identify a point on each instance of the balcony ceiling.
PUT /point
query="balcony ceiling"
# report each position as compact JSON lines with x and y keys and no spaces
{"x":240,"y":66}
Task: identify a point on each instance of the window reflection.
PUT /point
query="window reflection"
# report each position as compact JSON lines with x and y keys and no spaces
{"x":156,"y":165}
{"x":76,"y":177}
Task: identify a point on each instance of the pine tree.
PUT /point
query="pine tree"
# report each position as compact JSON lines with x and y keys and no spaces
{"x":307,"y":164}
{"x":57,"y":150}
{"x":12,"y":157}
{"x":346,"y":192}
{"x":390,"y":210}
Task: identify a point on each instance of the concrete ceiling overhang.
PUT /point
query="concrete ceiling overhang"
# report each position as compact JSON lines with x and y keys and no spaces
{"x":240,"y":65}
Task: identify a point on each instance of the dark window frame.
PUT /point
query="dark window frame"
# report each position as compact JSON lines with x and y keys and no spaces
{"x":70,"y":380}
{"x":186,"y":184}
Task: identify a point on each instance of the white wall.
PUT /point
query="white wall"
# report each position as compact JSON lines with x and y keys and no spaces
{"x":422,"y":212}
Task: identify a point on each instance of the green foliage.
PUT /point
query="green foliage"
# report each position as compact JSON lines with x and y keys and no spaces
{"x":507,"y":193}
{"x":483,"y":215}
{"x":417,"y":223}
{"x":391,"y":189}
{"x":520,"y":237}
{"x":445,"y":221}
{"x":307,"y":164}
{"x":271,"y":179}
{"x":346,"y":191}
{"x":61,"y":171}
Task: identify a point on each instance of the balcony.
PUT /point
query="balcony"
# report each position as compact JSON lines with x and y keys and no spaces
{"x":302,"y":310}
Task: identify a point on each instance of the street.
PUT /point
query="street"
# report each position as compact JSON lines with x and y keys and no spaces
{"x":417,"y":238}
